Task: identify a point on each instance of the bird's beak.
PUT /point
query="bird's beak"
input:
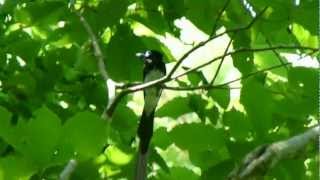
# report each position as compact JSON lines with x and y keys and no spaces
{"x":140,"y":55}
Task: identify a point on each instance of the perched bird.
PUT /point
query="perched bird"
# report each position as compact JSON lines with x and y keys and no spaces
{"x":154,"y":68}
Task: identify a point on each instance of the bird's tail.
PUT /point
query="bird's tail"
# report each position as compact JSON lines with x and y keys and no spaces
{"x":145,"y":131}
{"x":141,"y":171}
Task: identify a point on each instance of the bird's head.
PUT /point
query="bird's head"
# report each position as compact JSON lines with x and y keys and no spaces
{"x":150,"y":57}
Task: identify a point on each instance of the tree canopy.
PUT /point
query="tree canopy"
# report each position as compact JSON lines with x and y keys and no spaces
{"x":240,"y":74}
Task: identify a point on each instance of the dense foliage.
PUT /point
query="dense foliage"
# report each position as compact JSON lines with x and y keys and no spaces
{"x":52,"y":94}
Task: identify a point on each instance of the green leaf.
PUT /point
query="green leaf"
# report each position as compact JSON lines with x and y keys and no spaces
{"x":125,"y":122}
{"x":218,"y":171}
{"x":198,"y":105}
{"x":242,"y":61}
{"x":302,"y":14}
{"x":208,"y":158}
{"x":161,"y":138}
{"x":86,"y":170}
{"x":24,"y":83}
{"x":171,"y":109}
{"x":20,"y":44}
{"x":304,"y":37}
{"x":117,"y":156}
{"x":236,"y":17}
{"x":41,"y":13}
{"x":174,"y":10}
{"x":301,"y":92}
{"x":212,"y":114}
{"x":268,"y":59}
{"x":259,"y":112}
{"x":4,"y":121}
{"x":303,"y":80}
{"x":193,"y":103}
{"x":152,"y":20}
{"x":290,"y":169}
{"x":16,"y":167}
{"x":221,"y":96}
{"x":153,"y":43}
{"x":197,"y":137}
{"x":86,"y":134}
{"x":196,"y":77}
{"x":203,"y":13}
{"x":124,"y":65}
{"x":180,"y":173}
{"x":42,"y":135}
{"x":238,"y":123}
{"x":276,"y":21}
{"x":36,"y":140}
{"x":86,"y":62}
{"x":110,"y":12}
{"x":156,"y":158}
{"x":95,"y":92}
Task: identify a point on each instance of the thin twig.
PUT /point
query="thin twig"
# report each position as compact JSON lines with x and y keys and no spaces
{"x":239,"y":51}
{"x":110,"y":84}
{"x":276,"y":53}
{"x":197,"y":88}
{"x":221,"y":62}
{"x":254,"y":73}
{"x":68,"y":170}
{"x":97,"y":50}
{"x":219,"y":17}
{"x":167,"y":78}
{"x":225,"y":85}
{"x":175,"y":67}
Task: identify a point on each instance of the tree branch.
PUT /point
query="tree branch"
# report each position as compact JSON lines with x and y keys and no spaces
{"x":175,"y":67}
{"x":242,"y":50}
{"x":68,"y":170}
{"x":221,"y":62}
{"x":254,"y":73}
{"x":224,"y":85}
{"x":265,"y":157}
{"x":276,"y":53}
{"x":110,"y":84}
{"x":197,"y":88}
{"x":219,"y":17}
{"x":167,"y":78}
{"x":97,"y":50}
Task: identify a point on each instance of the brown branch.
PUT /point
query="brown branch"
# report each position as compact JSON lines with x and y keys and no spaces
{"x":224,"y":85}
{"x":97,"y":50}
{"x":276,"y":53}
{"x":68,"y":170}
{"x":110,"y":84}
{"x":260,"y":160}
{"x":201,"y":44}
{"x":219,"y":17}
{"x":221,"y":62}
{"x":197,"y":88}
{"x":254,"y":73}
{"x":239,"y":51}
{"x":167,"y":78}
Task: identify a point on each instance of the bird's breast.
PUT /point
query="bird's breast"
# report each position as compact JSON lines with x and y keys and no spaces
{"x":152,"y":94}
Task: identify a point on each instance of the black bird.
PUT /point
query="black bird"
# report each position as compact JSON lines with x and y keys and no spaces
{"x":154,"y":68}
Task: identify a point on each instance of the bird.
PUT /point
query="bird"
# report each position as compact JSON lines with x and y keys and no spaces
{"x":154,"y":68}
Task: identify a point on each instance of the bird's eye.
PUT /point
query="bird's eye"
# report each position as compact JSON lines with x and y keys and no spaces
{"x":147,"y":54}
